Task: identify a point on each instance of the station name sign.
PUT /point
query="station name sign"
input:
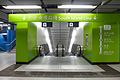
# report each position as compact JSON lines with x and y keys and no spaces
{"x":60,"y":17}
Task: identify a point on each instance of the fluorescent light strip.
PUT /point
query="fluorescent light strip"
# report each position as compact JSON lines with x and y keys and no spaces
{"x":1,"y":22}
{"x":77,"y":6}
{"x":22,"y":7}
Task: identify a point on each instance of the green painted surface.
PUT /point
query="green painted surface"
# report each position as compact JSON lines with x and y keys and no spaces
{"x":25,"y":41}
{"x":26,"y":34}
{"x":32,"y":41}
{"x":21,"y":42}
{"x":63,"y":17}
{"x":88,"y":41}
{"x":110,"y":42}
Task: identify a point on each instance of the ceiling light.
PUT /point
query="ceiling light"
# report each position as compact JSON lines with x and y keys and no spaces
{"x":9,"y":28}
{"x":22,"y":7}
{"x":1,"y":22}
{"x":77,"y":6}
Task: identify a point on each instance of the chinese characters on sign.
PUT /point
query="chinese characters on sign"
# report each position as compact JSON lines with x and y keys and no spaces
{"x":106,"y":40}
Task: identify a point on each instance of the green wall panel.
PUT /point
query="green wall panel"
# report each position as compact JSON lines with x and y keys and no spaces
{"x":88,"y":41}
{"x":26,"y":41}
{"x":32,"y":41}
{"x":109,"y":52}
{"x":21,"y":42}
{"x":109,"y":40}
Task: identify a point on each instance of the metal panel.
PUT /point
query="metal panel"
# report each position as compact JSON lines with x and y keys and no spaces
{"x":86,"y":2}
{"x":57,"y":1}
{"x":27,"y":2}
{"x":60,"y":34}
{"x":5,"y":2}
{"x":105,"y":10}
{"x":80,"y":10}
{"x":57,"y":10}
{"x":115,"y":2}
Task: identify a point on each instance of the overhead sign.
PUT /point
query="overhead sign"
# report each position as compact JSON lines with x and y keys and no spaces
{"x":73,"y":24}
{"x":63,"y":17}
{"x":46,"y":24}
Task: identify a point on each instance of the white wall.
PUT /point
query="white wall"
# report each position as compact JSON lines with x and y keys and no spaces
{"x":40,"y":34}
{"x":79,"y":35}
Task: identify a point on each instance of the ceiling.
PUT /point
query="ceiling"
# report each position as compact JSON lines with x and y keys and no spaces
{"x":108,"y":6}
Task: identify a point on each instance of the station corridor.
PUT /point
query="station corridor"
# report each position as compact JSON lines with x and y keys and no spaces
{"x":59,"y":39}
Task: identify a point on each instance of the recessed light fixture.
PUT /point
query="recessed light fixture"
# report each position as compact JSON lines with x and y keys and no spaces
{"x":9,"y":28}
{"x":1,"y":22}
{"x":77,"y":6}
{"x":22,"y":7}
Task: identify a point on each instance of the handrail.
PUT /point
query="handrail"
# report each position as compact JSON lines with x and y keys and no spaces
{"x":11,"y":42}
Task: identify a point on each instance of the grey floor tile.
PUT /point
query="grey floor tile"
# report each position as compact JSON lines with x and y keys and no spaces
{"x":60,"y":64}
{"x":115,"y":66}
{"x":39,"y":78}
{"x":6,"y":60}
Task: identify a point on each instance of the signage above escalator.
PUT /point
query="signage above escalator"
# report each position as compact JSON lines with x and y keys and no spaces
{"x":47,"y":24}
{"x":73,"y":24}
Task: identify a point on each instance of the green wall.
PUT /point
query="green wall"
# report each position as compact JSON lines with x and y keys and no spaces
{"x":21,"y":42}
{"x":26,"y":34}
{"x":25,"y":41}
{"x":109,"y":42}
{"x":32,"y":41}
{"x":87,"y":42}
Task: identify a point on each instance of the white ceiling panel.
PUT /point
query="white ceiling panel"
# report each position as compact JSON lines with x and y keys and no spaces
{"x":114,"y":4}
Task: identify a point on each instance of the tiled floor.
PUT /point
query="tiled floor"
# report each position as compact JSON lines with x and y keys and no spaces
{"x":115,"y":66}
{"x":60,"y":64}
{"x":37,"y":78}
{"x":8,"y":67}
{"x":6,"y":60}
{"x":60,"y":68}
{"x":68,"y":60}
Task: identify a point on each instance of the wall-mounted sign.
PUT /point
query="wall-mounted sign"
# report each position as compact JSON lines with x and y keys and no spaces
{"x":107,"y":27}
{"x":100,"y":52}
{"x":73,"y":24}
{"x":63,"y":17}
{"x":46,"y":24}
{"x":87,"y":40}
